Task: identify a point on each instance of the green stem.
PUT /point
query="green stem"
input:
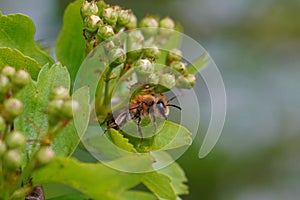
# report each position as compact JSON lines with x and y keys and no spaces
{"x":107,"y":97}
{"x":106,"y":89}
{"x":4,"y":176}
{"x":25,"y":175}
{"x":99,"y":94}
{"x":7,"y":130}
{"x":6,"y":194}
{"x":53,"y":131}
{"x":27,"y":171}
{"x":3,"y":189}
{"x":103,"y":93}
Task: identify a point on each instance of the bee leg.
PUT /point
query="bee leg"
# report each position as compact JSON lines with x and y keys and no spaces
{"x":162,"y":113}
{"x":161,"y":110}
{"x":113,"y":125}
{"x":139,"y":127}
{"x":154,"y":123}
{"x":153,"y":118}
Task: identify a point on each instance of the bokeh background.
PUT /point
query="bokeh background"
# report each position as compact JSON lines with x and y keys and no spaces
{"x":256,"y":45}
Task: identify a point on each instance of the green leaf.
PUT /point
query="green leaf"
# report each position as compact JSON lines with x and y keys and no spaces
{"x":95,"y":180}
{"x":15,"y":58}
{"x":50,"y":77}
{"x":165,"y":164}
{"x":34,"y":121}
{"x":112,"y":155}
{"x":71,"y":197}
{"x":17,"y":32}
{"x":70,"y":46}
{"x":32,"y":112}
{"x":137,"y":195}
{"x":135,"y":163}
{"x":178,"y":178}
{"x":117,"y":138}
{"x":68,"y":139}
{"x":198,"y":63}
{"x":159,"y":184}
{"x":171,"y":136}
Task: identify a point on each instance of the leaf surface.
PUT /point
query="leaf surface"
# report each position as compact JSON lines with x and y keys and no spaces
{"x":34,"y":120}
{"x":159,"y":184}
{"x":199,"y":63}
{"x":95,"y":180}
{"x":70,"y":46}
{"x":17,"y":32}
{"x":171,"y":136}
{"x":18,"y":60}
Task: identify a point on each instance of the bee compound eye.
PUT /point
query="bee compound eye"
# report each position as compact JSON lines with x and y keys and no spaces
{"x":160,"y":104}
{"x":161,"y":109}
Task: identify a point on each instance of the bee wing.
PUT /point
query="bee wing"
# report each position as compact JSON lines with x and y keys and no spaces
{"x":122,"y":116}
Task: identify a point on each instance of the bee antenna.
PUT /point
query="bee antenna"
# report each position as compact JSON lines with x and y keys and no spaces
{"x":175,"y":106}
{"x":172,"y":98}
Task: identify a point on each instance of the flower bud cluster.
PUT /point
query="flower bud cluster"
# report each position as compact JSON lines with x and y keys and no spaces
{"x":11,"y":150}
{"x":11,"y":142}
{"x":61,"y":107}
{"x":174,"y":74}
{"x":145,"y":41}
{"x":138,"y":48}
{"x":102,"y":21}
{"x":11,"y":81}
{"x":183,"y":78}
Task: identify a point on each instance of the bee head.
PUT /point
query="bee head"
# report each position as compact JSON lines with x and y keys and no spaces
{"x":162,"y":108}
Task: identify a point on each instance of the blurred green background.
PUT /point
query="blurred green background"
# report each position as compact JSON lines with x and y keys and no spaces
{"x":256,"y":45}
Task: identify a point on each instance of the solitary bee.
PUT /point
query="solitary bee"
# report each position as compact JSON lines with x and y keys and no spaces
{"x":140,"y":107}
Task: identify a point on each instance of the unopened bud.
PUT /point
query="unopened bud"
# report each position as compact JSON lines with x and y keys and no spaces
{"x":174,"y":55}
{"x":116,"y":56}
{"x":144,"y":66}
{"x":166,"y":26}
{"x":15,"y":140}
{"x":179,"y":67}
{"x":101,"y":5}
{"x":151,"y":52}
{"x":105,"y":32}
{"x":88,"y":8}
{"x":124,"y":17}
{"x":21,"y":78}
{"x":186,"y":82}
{"x":14,"y":107}
{"x":132,"y":22}
{"x":167,"y":80}
{"x":54,"y":107}
{"x":45,"y":155}
{"x":8,"y":71}
{"x":149,"y":25}
{"x":70,"y":107}
{"x":59,"y":92}
{"x":135,"y":36}
{"x":110,"y":15}
{"x":153,"y":79}
{"x":13,"y":159}
{"x":92,"y":23}
{"x":4,"y":84}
